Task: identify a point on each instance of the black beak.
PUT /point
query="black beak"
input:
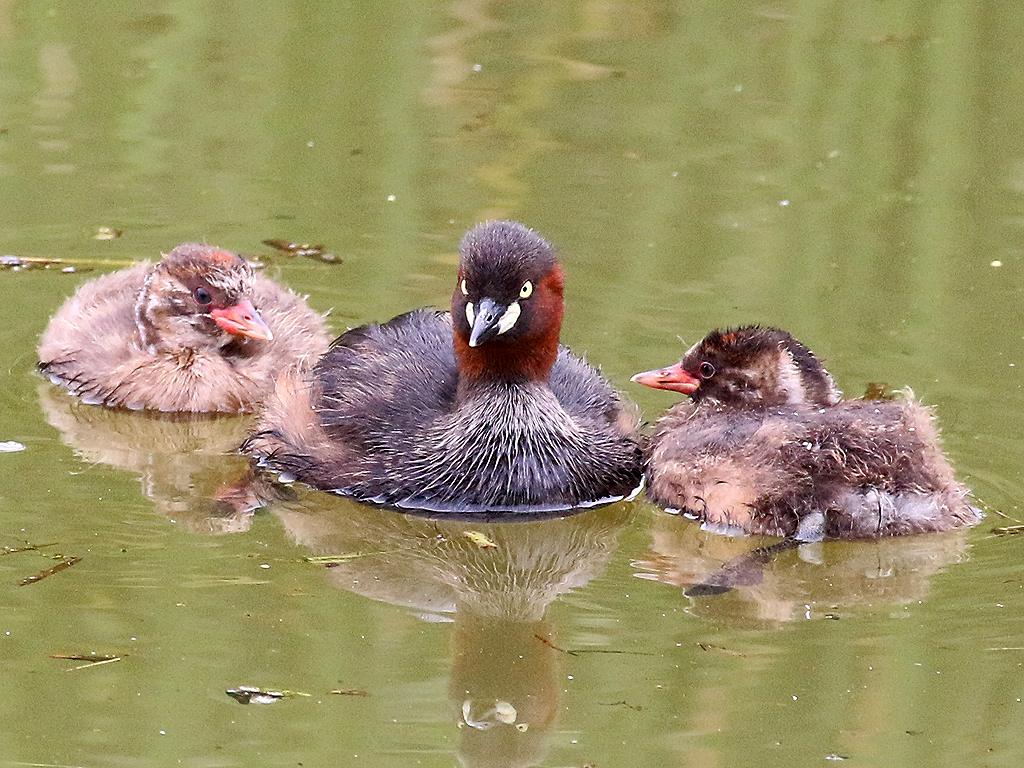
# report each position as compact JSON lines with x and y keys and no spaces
{"x":485,"y":323}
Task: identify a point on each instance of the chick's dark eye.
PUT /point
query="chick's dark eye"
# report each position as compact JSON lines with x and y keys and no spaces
{"x":202,"y":296}
{"x":706,"y":370}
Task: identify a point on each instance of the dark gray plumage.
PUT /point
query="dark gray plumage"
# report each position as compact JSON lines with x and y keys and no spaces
{"x":400,"y":415}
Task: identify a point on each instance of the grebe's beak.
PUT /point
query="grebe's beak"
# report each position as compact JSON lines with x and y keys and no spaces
{"x":673,"y":378}
{"x":492,"y":319}
{"x":242,"y":320}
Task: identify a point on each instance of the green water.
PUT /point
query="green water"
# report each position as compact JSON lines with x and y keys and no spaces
{"x":847,"y":170}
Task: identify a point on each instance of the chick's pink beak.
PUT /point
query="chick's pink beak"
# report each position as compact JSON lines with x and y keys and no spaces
{"x":673,"y":378}
{"x":242,"y":320}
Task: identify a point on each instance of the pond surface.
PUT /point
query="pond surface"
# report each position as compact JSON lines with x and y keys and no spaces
{"x":853,"y":172}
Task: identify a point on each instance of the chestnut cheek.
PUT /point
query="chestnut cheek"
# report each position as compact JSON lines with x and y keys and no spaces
{"x":545,"y":317}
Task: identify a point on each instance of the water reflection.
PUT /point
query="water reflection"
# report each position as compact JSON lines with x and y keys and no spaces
{"x":734,"y":581}
{"x":505,"y":680}
{"x":186,"y":464}
{"x":494,"y":586}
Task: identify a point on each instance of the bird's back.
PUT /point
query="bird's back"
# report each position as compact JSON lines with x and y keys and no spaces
{"x":390,"y":425}
{"x":376,"y":380}
{"x":865,"y":468}
{"x":95,"y":328}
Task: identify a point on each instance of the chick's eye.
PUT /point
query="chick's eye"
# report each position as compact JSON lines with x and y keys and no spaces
{"x":706,"y":370}
{"x":526,"y":291}
{"x":202,"y":296}
{"x":465,"y":289}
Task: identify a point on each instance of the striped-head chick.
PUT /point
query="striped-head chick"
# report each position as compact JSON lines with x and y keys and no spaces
{"x":745,"y":367}
{"x":198,"y":297}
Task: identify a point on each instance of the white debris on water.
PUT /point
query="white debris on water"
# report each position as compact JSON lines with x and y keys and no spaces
{"x":505,"y":712}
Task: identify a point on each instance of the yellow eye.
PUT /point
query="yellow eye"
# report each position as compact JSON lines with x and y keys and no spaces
{"x":526,"y":291}
{"x":465,"y":290}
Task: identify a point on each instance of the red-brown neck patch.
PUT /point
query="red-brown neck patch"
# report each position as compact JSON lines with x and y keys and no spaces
{"x":521,"y":360}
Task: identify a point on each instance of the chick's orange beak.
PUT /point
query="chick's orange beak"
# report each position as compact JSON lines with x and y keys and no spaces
{"x":673,"y":378}
{"x":242,"y":320}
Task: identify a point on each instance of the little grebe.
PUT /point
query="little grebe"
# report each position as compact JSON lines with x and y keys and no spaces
{"x":768,"y":446}
{"x":181,"y":335}
{"x":479,"y":410}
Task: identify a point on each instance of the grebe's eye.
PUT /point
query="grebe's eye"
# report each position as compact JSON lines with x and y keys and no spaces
{"x":526,"y":291}
{"x":706,"y":370}
{"x":202,"y":296}
{"x":465,"y":290}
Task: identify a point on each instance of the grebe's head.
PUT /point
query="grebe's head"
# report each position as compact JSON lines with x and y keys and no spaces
{"x":507,"y":304}
{"x":748,"y":366}
{"x":198,"y":297}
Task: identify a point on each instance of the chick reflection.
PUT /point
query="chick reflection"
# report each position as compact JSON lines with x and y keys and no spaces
{"x":186,"y":464}
{"x":733,"y":579}
{"x":494,"y":584}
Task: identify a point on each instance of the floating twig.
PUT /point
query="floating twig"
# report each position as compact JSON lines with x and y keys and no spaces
{"x":93,"y":659}
{"x":23,"y":263}
{"x":330,"y":560}
{"x":348,"y":692}
{"x":26,"y":548}
{"x":622,"y":703}
{"x":307,"y":250}
{"x":578,"y":651}
{"x":63,"y":565}
{"x":250,"y":694}
{"x":581,"y":651}
{"x":294,"y":247}
{"x":723,"y":649}
{"x":551,"y":645}
{"x":99,"y":663}
{"x":86,"y":656}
